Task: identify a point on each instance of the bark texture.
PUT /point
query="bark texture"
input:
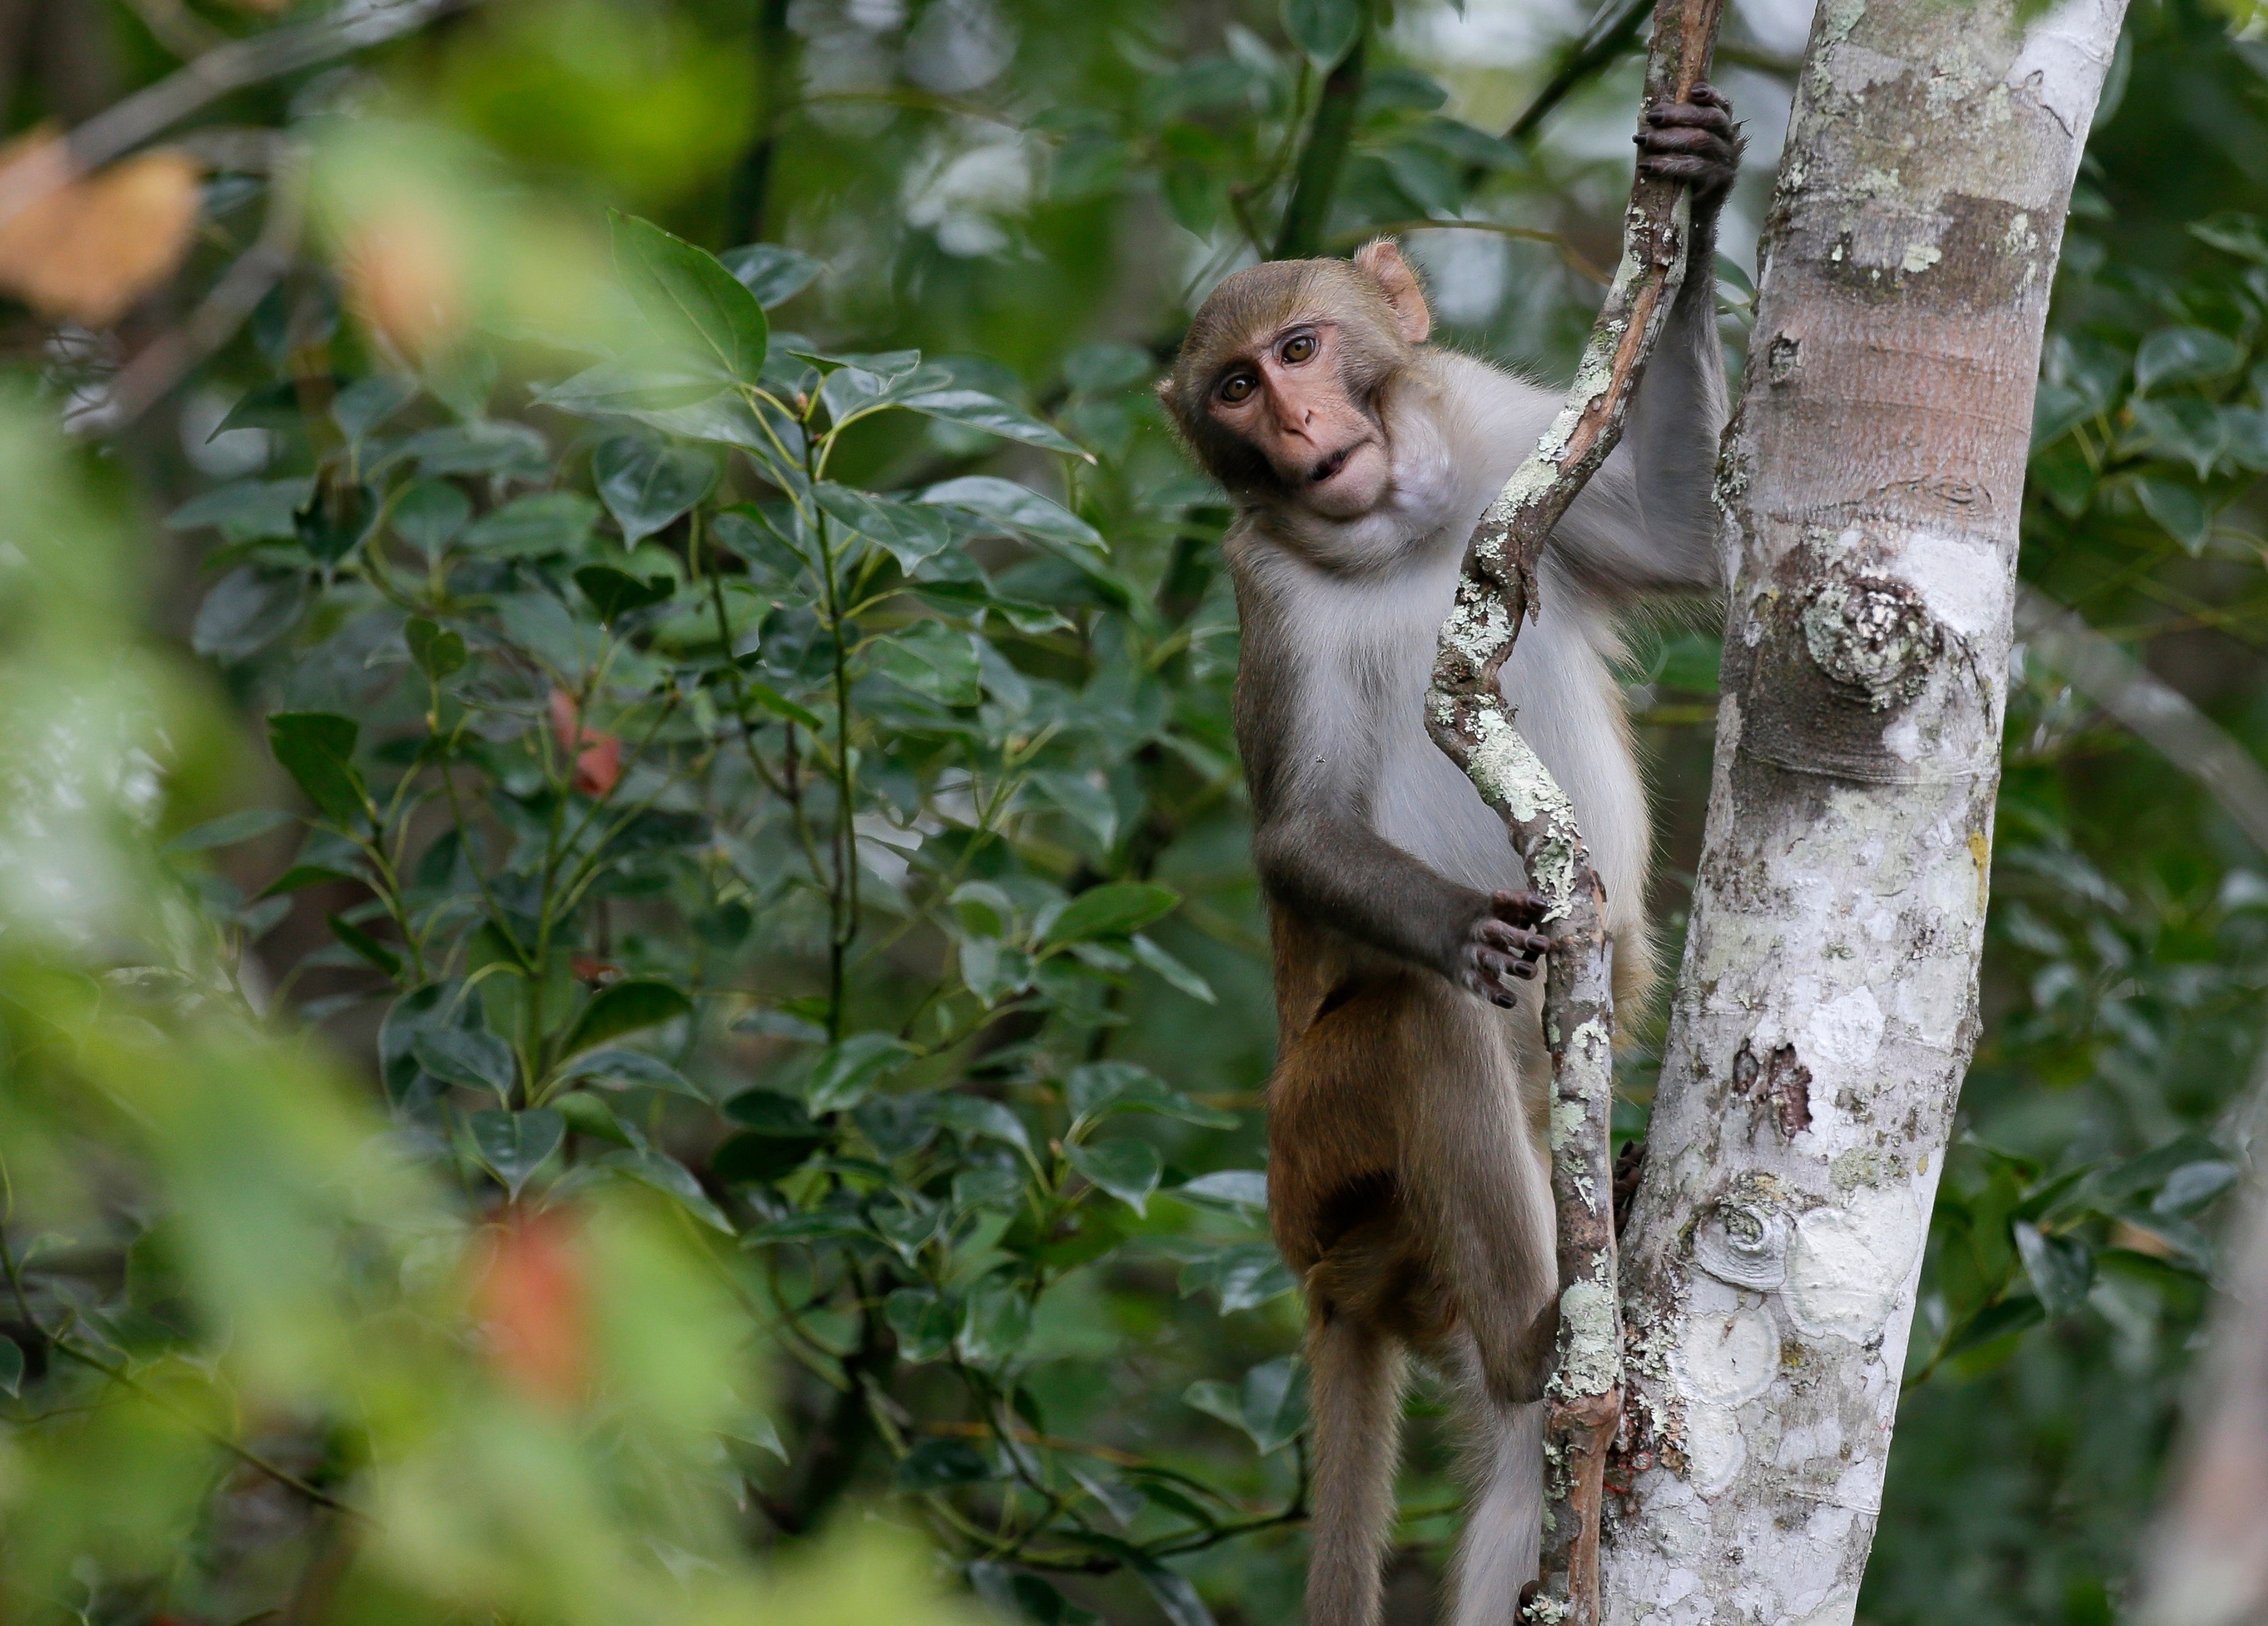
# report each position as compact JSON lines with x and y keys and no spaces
{"x":2209,"y":1563}
{"x":1467,"y":717}
{"x":1827,"y":1006}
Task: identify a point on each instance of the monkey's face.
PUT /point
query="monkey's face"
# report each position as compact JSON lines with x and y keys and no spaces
{"x":1279,"y":384}
{"x":1289,"y":399}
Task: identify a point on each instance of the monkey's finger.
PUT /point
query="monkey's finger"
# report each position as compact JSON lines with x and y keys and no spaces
{"x":1697,"y":173}
{"x":1709,"y":96}
{"x":1684,"y":139}
{"x":1703,"y":116}
{"x":1521,"y":908}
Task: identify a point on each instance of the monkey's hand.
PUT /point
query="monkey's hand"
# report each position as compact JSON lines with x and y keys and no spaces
{"x":1501,"y":944}
{"x":1695,"y":141}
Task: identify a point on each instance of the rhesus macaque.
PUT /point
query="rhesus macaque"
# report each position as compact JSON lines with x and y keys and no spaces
{"x":1409,"y":1184}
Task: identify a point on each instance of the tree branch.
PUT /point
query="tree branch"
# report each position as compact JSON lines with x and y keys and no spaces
{"x":1467,"y":715}
{"x":1315,"y":178}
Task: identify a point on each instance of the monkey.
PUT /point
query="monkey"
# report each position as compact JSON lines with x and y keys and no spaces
{"x":1409,"y":1184}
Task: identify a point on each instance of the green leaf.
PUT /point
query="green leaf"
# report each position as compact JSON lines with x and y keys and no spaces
{"x":761,"y":1112}
{"x":844,"y":1072}
{"x":924,"y":1321}
{"x":1326,"y":30}
{"x":975,"y":409}
{"x":1268,"y":1406}
{"x":2061,"y":1268}
{"x":2247,"y":429}
{"x":615,"y":594}
{"x":229,"y":829}
{"x":11,"y":1367}
{"x":621,"y":1067}
{"x":2179,"y":355}
{"x":672,"y":1179}
{"x":938,"y":1464}
{"x":1244,"y":1275}
{"x":589,"y":1114}
{"x":430,"y":515}
{"x":995,"y":1323}
{"x":759,"y":1159}
{"x":1127,"y":1169}
{"x":514,"y":1144}
{"x":630,"y":389}
{"x":1245,"y":1188}
{"x":438,"y":651}
{"x":2193,"y":1185}
{"x":2235,"y":233}
{"x":2183,"y":426}
{"x":484,"y":446}
{"x":2180,"y":509}
{"x":1109,"y":911}
{"x":335,"y":521}
{"x":780,"y":706}
{"x":687,"y":294}
{"x":931,"y":658}
{"x":550,"y":522}
{"x":1995,"y":1321}
{"x":300,"y":877}
{"x":317,"y":749}
{"x":466,"y":1055}
{"x":774,"y":275}
{"x":1096,"y":1089}
{"x":1173,"y":971}
{"x":246,"y":511}
{"x":1019,"y":511}
{"x":364,"y":404}
{"x":1174,"y":1595}
{"x":625,"y":1007}
{"x":364,"y":944}
{"x":975,"y":1117}
{"x":911,"y":532}
{"x":646,"y":483}
{"x":248,"y":609}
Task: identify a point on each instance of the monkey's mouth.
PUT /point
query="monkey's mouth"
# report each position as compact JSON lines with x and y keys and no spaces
{"x":1328,"y":468}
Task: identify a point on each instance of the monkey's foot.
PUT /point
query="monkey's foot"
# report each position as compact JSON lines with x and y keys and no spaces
{"x":1695,"y":141}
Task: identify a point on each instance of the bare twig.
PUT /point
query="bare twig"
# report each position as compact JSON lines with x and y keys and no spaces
{"x":169,"y":358}
{"x":1612,"y":28}
{"x":1575,"y":256}
{"x":1468,"y":718}
{"x":179,"y":30}
{"x":2159,"y":715}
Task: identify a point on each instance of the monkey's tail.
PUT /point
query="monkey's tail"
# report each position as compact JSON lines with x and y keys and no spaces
{"x":1355,"y":1404}
{"x":1505,"y":1526}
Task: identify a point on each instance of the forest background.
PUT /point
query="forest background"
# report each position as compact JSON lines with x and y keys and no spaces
{"x":633,"y":987}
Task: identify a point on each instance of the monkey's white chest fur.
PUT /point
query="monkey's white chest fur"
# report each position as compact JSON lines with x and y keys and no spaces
{"x":1367,"y":600}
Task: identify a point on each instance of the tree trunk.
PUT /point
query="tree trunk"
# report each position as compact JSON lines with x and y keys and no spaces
{"x":2208,"y":1565}
{"x":1826,"y":1005}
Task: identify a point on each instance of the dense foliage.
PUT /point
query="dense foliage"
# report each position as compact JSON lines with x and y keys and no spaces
{"x":741,"y":999}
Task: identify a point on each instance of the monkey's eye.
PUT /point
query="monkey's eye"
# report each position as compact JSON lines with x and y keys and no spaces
{"x":1299,"y":347}
{"x":1238,"y":387}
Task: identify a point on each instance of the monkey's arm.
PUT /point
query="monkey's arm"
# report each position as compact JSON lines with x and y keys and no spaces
{"x":1335,"y":869}
{"x":1652,"y":525}
{"x":1312,"y":768}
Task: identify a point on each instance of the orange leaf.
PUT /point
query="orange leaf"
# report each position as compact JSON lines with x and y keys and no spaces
{"x":532,"y":1300}
{"x":598,"y":756}
{"x":85,"y":249}
{"x":405,"y":276}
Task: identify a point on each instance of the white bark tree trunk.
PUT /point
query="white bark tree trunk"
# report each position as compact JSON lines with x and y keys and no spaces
{"x":1827,"y":1006}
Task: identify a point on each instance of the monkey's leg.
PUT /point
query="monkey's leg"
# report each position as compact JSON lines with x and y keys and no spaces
{"x":1503,"y":1522}
{"x":1354,"y":1373}
{"x":1474,"y":1170}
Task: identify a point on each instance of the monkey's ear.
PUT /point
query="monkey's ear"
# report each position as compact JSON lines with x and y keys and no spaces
{"x":1382,"y":258}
